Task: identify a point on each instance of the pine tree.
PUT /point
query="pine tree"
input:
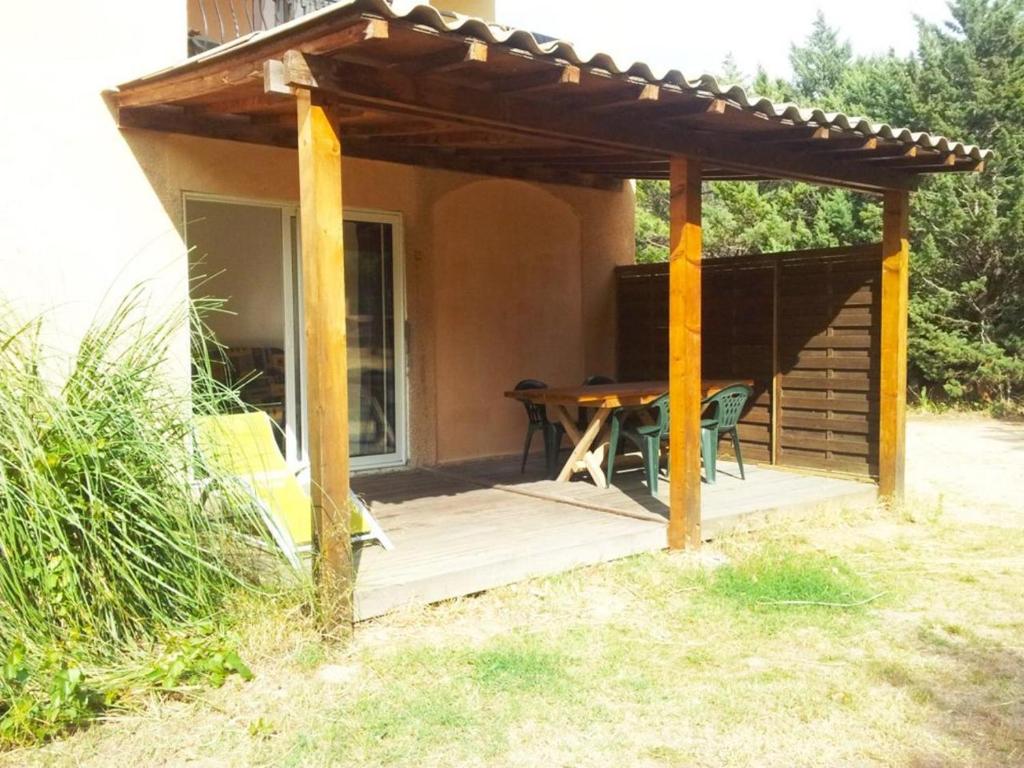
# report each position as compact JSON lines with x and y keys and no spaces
{"x":820,"y":65}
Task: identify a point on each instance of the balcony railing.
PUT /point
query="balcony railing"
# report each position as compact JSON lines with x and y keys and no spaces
{"x":212,"y":22}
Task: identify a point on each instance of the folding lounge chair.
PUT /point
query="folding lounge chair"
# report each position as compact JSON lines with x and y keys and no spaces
{"x":242,"y":445}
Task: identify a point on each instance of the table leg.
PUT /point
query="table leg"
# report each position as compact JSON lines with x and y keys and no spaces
{"x":581,"y":451}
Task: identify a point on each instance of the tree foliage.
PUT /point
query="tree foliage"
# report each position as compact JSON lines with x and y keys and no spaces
{"x":965,"y":81}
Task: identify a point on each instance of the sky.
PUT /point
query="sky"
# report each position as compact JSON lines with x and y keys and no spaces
{"x":695,"y":37}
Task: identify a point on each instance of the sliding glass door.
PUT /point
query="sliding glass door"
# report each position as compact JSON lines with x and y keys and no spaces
{"x":374,"y":287}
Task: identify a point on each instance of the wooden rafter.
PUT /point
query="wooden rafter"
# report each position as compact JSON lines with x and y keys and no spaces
{"x":397,"y":71}
{"x":467,"y":54}
{"x":354,"y":84}
{"x":452,"y":161}
{"x":560,"y":75}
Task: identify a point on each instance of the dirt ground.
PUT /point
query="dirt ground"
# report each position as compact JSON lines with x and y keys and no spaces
{"x":974,"y":464}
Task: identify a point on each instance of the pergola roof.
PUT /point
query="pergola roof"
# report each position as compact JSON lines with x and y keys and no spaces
{"x":419,"y":87}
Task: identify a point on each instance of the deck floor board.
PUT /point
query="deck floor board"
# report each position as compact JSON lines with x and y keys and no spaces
{"x":464,"y":528}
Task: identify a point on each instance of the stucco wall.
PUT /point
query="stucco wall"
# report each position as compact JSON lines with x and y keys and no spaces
{"x":505,"y":279}
{"x":79,"y":219}
{"x":508,"y":307}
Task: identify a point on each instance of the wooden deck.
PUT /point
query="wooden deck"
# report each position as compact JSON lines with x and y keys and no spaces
{"x":466,"y":528}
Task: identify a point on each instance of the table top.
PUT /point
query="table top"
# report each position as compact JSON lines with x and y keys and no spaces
{"x":629,"y":393}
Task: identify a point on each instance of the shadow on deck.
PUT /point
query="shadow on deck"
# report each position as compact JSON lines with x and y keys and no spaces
{"x":465,"y":528}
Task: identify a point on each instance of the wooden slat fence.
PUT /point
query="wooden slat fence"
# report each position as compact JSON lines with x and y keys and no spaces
{"x":803,"y":325}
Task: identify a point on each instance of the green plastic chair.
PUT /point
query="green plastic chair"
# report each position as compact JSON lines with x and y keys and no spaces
{"x":723,"y":410}
{"x":537,"y":420}
{"x":647,"y":437}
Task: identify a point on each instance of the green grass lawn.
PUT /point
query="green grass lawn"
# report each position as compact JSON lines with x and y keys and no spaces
{"x":870,"y":638}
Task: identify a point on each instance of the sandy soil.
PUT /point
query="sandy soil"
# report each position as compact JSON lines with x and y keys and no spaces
{"x":973,"y":464}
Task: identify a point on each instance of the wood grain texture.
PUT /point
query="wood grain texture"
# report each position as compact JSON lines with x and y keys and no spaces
{"x":829,"y":364}
{"x":893,"y":389}
{"x":803,"y":325}
{"x":624,"y":393}
{"x":478,"y":525}
{"x":323,"y":272}
{"x":684,"y":352}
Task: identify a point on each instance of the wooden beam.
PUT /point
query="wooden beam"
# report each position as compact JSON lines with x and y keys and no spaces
{"x":890,"y":153}
{"x":229,"y":127}
{"x":920,"y":160}
{"x":392,"y":127}
{"x":559,"y":76}
{"x":202,"y":78}
{"x":684,"y":331}
{"x":846,"y":145}
{"x":893,"y":386}
{"x":639,"y":94}
{"x":357,"y":85}
{"x":962,"y":165}
{"x":455,"y":138}
{"x":323,"y":279}
{"x":791,"y":136}
{"x":352,"y":37}
{"x":435,"y":158}
{"x":688,"y":111}
{"x":470,"y":53}
{"x":267,"y":102}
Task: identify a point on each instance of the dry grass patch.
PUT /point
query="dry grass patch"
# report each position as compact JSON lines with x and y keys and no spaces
{"x":777,"y":658}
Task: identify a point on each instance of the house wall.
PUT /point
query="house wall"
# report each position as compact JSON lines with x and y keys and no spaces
{"x":80,"y":221}
{"x":504,"y":279}
{"x":87,"y":211}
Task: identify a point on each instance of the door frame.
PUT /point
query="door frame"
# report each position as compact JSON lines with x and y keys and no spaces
{"x":293,"y":319}
{"x":296,"y":441}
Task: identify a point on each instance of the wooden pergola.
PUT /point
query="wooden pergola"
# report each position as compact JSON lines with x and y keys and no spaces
{"x":422,"y":89}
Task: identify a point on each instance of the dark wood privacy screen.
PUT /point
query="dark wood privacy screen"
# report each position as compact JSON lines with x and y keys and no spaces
{"x":804,"y":325}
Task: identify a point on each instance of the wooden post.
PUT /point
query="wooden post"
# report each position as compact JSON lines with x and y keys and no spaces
{"x":776,"y":393}
{"x":893,"y":389}
{"x":684,"y":353}
{"x":323,"y":279}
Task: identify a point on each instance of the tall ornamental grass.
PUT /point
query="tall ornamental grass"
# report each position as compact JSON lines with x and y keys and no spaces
{"x":112,"y":574}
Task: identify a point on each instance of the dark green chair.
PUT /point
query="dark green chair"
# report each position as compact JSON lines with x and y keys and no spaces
{"x":647,"y":437}
{"x":538,"y":422}
{"x":722,"y":413}
{"x":583,"y":415}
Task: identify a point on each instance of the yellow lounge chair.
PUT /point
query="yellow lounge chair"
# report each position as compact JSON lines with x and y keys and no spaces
{"x":242,"y":445}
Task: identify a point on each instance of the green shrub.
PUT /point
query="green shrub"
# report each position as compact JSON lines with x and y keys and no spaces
{"x":111,"y":572}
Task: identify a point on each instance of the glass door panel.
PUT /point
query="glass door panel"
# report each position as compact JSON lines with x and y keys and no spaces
{"x":376,"y":342}
{"x":370,"y":303}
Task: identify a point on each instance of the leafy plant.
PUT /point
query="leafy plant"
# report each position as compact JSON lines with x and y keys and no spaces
{"x":113,"y":576}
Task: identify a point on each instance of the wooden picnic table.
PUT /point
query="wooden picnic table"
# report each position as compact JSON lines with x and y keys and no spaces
{"x":588,"y":451}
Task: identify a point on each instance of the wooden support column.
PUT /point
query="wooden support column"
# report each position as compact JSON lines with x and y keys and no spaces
{"x":323,"y":279}
{"x":893,"y":390}
{"x":776,"y":393}
{"x":684,"y":338}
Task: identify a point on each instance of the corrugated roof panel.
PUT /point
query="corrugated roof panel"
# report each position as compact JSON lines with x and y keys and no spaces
{"x":706,"y":85}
